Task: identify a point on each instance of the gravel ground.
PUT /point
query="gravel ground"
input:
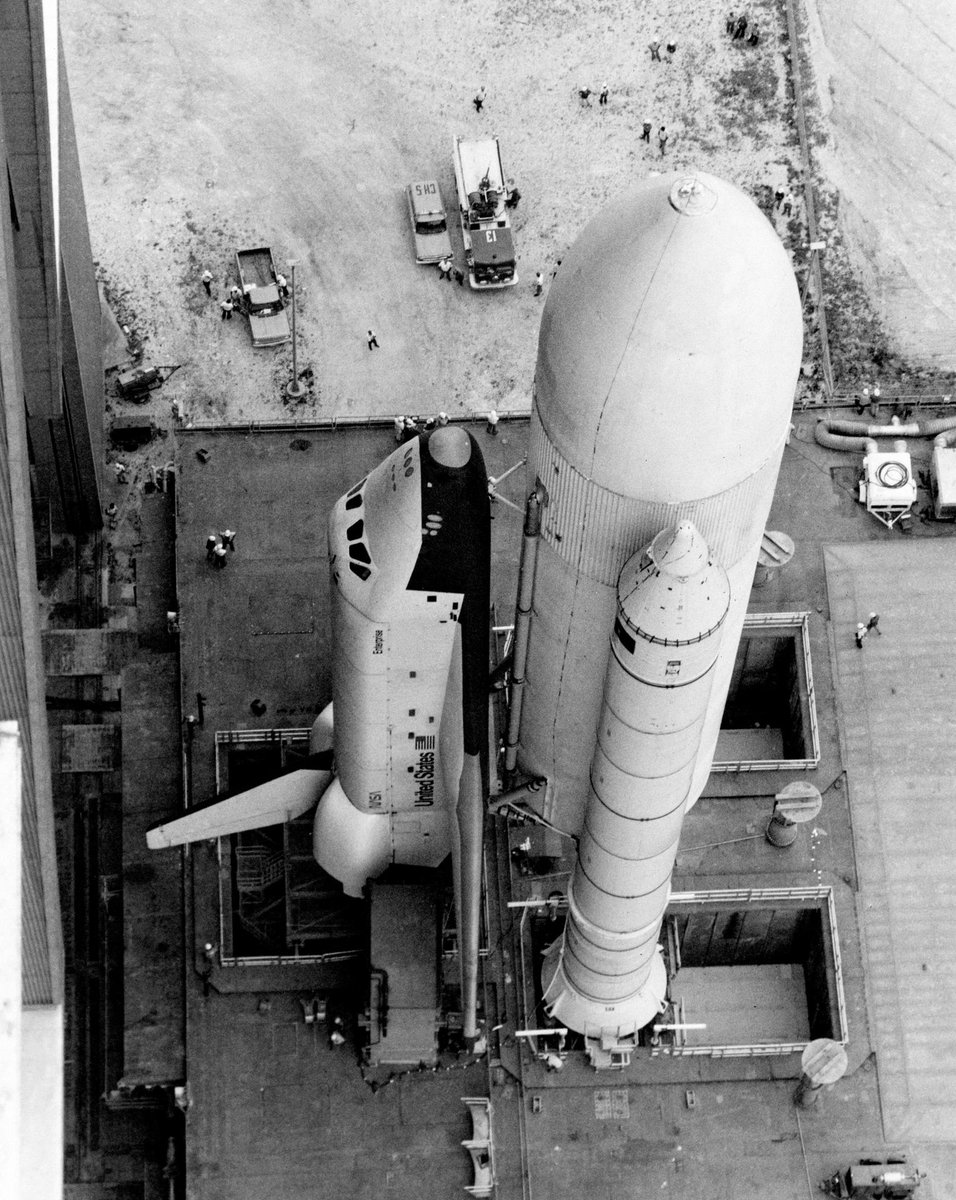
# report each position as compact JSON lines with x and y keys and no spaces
{"x":203,"y":128}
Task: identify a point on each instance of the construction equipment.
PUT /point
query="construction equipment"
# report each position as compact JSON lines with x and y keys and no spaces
{"x":140,"y":381}
{"x":887,"y":1178}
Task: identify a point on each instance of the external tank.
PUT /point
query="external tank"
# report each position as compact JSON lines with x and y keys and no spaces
{"x":669,"y":350}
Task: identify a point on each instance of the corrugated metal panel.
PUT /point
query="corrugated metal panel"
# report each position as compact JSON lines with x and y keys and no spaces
{"x":14,"y":705}
{"x":15,"y":581}
{"x":595,"y":531}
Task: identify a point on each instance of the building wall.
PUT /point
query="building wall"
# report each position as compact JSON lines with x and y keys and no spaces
{"x":886,"y":72}
{"x":29,"y":165}
{"x":22,"y":693}
{"x":80,"y":326}
{"x":62,"y":362}
{"x":50,"y":404}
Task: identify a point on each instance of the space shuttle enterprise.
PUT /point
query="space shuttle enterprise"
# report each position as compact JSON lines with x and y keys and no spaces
{"x":409,"y":555}
{"x":668,"y":354}
{"x":667,"y":360}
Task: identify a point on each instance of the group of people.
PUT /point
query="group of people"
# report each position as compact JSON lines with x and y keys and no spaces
{"x":236,"y":300}
{"x":408,"y":427}
{"x":218,"y":545}
{"x":670,"y":46}
{"x":585,"y":94}
{"x":662,"y":136}
{"x":740,"y":28}
{"x":783,"y":201}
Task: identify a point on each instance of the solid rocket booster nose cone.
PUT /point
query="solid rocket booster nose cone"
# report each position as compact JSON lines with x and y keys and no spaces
{"x":681,"y":551}
{"x":449,"y":446}
{"x":692,"y":197}
{"x":674,"y":590}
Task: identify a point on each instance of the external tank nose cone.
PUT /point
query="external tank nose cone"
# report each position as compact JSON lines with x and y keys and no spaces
{"x":670,"y":342}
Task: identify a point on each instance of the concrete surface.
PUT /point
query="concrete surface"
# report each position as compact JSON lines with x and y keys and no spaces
{"x":205,"y":128}
{"x":260,"y":1078}
{"x":886,"y":75}
{"x":897,"y":701}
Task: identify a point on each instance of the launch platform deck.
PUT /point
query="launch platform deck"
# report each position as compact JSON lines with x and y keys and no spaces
{"x":897,"y":699}
{"x":276,"y":1110}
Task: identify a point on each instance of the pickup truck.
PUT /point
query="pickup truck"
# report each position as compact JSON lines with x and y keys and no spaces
{"x":261,"y":301}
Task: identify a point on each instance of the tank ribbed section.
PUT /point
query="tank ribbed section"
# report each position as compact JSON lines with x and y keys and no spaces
{"x":595,"y":530}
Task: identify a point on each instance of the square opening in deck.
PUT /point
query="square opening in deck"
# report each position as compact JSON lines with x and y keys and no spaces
{"x":770,"y":720}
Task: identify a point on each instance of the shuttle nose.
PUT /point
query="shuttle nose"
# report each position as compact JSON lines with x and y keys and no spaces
{"x":449,"y":446}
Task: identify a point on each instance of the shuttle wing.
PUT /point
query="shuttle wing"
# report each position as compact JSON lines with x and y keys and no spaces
{"x":271,"y":803}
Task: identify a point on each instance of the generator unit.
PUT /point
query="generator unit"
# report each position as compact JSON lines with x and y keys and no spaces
{"x":887,"y":486}
{"x":889,"y":1178}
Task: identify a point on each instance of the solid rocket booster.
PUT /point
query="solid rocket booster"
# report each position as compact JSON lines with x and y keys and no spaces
{"x":667,"y":359}
{"x":607,"y":975}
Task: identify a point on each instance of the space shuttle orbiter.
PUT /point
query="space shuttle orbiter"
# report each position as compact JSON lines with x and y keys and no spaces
{"x":409,"y":550}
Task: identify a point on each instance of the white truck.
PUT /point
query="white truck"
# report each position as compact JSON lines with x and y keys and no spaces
{"x":485,"y":224}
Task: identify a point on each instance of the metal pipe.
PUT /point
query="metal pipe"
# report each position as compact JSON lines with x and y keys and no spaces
{"x":837,"y":434}
{"x":515,"y":796}
{"x":469,"y":814}
{"x":531,"y":539}
{"x":295,"y":389}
